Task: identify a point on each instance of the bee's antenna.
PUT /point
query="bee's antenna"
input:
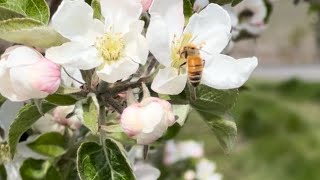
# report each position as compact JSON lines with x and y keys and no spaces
{"x":205,"y":51}
{"x":195,"y":37}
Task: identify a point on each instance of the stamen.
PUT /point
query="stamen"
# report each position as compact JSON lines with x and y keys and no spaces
{"x":111,"y":46}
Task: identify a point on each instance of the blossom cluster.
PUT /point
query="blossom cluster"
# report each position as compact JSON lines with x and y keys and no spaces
{"x":116,"y":71}
{"x":116,"y":46}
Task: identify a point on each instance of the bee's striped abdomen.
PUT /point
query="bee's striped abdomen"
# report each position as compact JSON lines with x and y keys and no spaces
{"x":195,"y":68}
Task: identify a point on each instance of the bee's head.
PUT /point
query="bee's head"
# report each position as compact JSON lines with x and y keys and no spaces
{"x":191,"y":50}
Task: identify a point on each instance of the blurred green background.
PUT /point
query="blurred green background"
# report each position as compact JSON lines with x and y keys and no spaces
{"x":279,"y":137}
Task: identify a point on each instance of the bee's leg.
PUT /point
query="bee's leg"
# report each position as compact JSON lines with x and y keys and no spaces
{"x":181,"y":66}
{"x":204,"y":62}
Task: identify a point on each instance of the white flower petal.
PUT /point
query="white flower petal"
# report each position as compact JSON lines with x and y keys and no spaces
{"x":158,"y":40}
{"x":148,"y":138}
{"x":21,"y":78}
{"x":13,"y":168}
{"x":232,"y":14}
{"x":137,"y":26}
{"x":215,"y":41}
{"x":75,"y":73}
{"x":47,"y":124}
{"x":6,"y":88}
{"x":8,"y":113}
{"x":224,"y":72}
{"x":73,"y":20}
{"x":172,"y":13}
{"x":200,"y":4}
{"x":118,"y":70}
{"x":120,"y":14}
{"x":25,"y":152}
{"x":74,"y":55}
{"x":205,"y":169}
{"x":144,"y":171}
{"x":212,"y":27}
{"x":167,"y":81}
{"x":156,"y":110}
{"x":22,"y":56}
{"x":136,"y":47}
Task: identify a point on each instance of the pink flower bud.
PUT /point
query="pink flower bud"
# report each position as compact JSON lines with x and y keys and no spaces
{"x":147,"y":121}
{"x":146,"y":4}
{"x":26,"y":74}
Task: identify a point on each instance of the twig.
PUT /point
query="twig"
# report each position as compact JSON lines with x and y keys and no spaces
{"x":152,"y":64}
{"x":125,"y":86}
{"x":108,"y":100}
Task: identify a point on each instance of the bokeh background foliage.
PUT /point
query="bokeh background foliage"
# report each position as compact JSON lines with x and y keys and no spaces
{"x":278,"y":136}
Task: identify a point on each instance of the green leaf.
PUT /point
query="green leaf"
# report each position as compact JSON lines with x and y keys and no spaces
{"x":187,"y":9}
{"x":32,"y":169}
{"x":214,"y":101}
{"x":33,"y":9}
{"x":8,"y":14}
{"x":223,"y":2}
{"x":2,"y":100}
{"x":225,"y":130}
{"x":28,"y":115}
{"x":29,"y":32}
{"x":172,"y":132}
{"x":269,"y":7}
{"x":3,"y":173}
{"x":51,"y":144}
{"x":95,"y":4}
{"x":108,"y":162}
{"x":91,"y":114}
{"x":61,"y":99}
{"x":182,"y":112}
{"x":68,"y":90}
{"x":236,"y":2}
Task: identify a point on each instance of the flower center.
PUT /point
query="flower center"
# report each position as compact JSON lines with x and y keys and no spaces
{"x":179,"y":44}
{"x":4,"y":153}
{"x":110,"y":46}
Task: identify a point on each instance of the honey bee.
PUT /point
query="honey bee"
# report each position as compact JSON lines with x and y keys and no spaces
{"x":191,"y":54}
{"x":194,"y":63}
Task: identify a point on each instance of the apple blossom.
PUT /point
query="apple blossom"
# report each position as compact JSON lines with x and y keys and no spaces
{"x":26,"y":74}
{"x":57,"y":120}
{"x":210,"y":31}
{"x":189,"y":175}
{"x":175,"y":152}
{"x":248,"y":15}
{"x":144,"y":171}
{"x":148,"y":120}
{"x":205,"y":170}
{"x":114,"y":47}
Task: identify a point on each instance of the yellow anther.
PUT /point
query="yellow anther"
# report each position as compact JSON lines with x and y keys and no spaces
{"x":110,"y":46}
